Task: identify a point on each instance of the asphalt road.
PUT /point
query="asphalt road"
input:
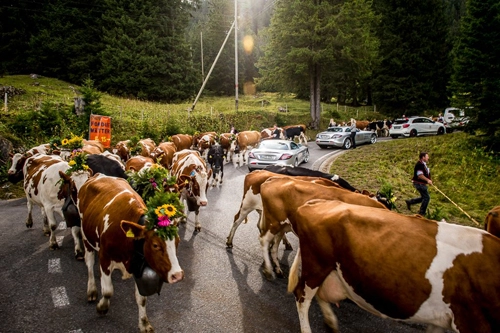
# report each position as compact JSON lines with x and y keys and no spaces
{"x":223,"y":290}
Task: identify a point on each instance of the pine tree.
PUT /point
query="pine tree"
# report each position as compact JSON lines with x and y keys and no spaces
{"x":414,"y":70}
{"x":145,"y":53}
{"x":476,"y":79}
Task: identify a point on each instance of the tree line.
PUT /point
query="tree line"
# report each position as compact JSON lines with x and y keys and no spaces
{"x":406,"y":57}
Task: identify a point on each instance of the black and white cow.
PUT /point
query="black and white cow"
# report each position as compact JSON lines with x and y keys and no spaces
{"x":105,"y":165}
{"x":216,"y":161}
{"x":291,"y":132}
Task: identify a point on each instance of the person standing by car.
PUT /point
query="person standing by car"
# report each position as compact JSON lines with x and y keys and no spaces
{"x":276,"y":132}
{"x":421,"y":178}
{"x":353,"y":133}
{"x":332,"y":123}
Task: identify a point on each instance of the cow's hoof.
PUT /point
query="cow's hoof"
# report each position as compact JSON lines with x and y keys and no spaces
{"x":29,"y":225}
{"x":92,"y":296}
{"x":54,"y":246}
{"x":79,"y":255}
{"x":102,"y":312}
{"x":46,"y":233}
{"x":197,"y":229}
{"x":229,"y":245}
{"x":288,"y":247}
{"x":280,"y":274}
{"x":269,"y":276}
{"x":53,"y":227}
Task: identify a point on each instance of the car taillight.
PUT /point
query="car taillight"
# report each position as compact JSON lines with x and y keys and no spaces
{"x":406,"y":125}
{"x":286,"y":156}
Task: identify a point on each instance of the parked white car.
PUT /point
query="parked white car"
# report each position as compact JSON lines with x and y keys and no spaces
{"x":340,"y":136}
{"x":415,"y":126}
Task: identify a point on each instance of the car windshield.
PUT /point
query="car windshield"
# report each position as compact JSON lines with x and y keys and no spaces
{"x":400,"y":121}
{"x":335,"y":129}
{"x":276,"y":145}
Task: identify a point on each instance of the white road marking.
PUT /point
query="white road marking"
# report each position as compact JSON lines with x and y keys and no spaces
{"x":55,"y":266}
{"x":59,"y":240}
{"x":62,"y":225}
{"x":59,"y":297}
{"x":76,"y":331}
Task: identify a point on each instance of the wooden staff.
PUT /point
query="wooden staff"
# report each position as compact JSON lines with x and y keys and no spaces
{"x":455,"y":204}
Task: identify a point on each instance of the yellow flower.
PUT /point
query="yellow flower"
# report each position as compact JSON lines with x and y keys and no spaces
{"x":64,"y":142}
{"x":85,"y":167}
{"x":72,"y":162}
{"x":170,"y":210}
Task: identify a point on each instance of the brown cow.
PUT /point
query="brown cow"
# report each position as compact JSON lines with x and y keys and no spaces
{"x":182,"y":141}
{"x":198,"y":136}
{"x":492,"y":221}
{"x":111,"y":212}
{"x":136,"y":163}
{"x":226,"y":141}
{"x":244,"y":141}
{"x":147,"y":147}
{"x":252,"y":200}
{"x":395,"y":266}
{"x":92,"y":146}
{"x":122,"y":149}
{"x":192,"y":179}
{"x":165,"y":152}
{"x":205,"y":142}
{"x":280,"y":196}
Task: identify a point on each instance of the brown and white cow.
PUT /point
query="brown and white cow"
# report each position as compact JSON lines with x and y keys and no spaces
{"x":92,"y":146}
{"x":110,"y":212}
{"x":244,"y":141}
{"x":268,"y":133}
{"x":182,"y":141}
{"x":252,"y":199}
{"x":165,"y":152}
{"x":147,"y":147}
{"x":492,"y":221}
{"x":281,"y":196}
{"x":226,"y":141}
{"x":15,"y":172}
{"x":41,"y":185}
{"x":136,"y":163}
{"x":192,"y":178}
{"x":205,"y":142}
{"x":197,"y":137}
{"x":122,"y":149}
{"x":395,"y":266}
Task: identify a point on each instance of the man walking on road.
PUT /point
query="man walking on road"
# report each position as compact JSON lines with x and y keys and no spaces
{"x":421,"y":178}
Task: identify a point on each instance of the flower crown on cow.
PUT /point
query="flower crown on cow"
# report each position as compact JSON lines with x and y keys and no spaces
{"x":153,"y":184}
{"x":77,"y":162}
{"x":75,"y":142}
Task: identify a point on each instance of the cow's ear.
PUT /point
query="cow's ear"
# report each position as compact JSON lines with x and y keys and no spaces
{"x":132,"y":230}
{"x":65,"y":178}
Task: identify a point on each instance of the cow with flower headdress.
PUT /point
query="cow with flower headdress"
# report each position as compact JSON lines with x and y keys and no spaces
{"x":136,"y":238}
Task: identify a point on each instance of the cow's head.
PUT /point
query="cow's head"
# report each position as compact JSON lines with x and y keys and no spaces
{"x":68,"y":191}
{"x":121,"y":149}
{"x":160,"y":254}
{"x":384,"y":200}
{"x":197,"y":184}
{"x":15,"y":172}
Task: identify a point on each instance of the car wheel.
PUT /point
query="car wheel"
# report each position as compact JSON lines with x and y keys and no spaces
{"x":347,"y":143}
{"x":306,"y":156}
{"x":440,"y":131}
{"x":296,"y":163}
{"x":373,"y":139}
{"x":394,"y":136}
{"x":413,"y":133}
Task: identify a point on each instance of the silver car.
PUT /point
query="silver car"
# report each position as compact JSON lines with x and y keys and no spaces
{"x":340,"y":136}
{"x":277,"y":152}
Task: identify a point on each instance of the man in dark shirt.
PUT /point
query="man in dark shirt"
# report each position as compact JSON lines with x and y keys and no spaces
{"x":421,"y":178}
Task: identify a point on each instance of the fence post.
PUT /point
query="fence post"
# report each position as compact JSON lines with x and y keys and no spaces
{"x":6,"y":96}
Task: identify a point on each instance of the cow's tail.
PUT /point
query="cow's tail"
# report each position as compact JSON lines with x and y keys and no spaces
{"x":293,"y":276}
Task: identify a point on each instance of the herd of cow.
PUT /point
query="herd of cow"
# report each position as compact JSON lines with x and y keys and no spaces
{"x":351,"y":245}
